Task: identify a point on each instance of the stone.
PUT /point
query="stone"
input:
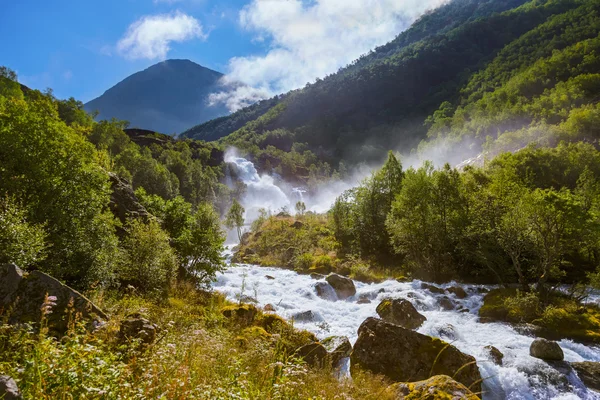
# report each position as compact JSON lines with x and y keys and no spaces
{"x":457,"y":291}
{"x":432,"y":288}
{"x":305,"y":316}
{"x":137,"y":327}
{"x":495,"y":355}
{"x":338,"y":347}
{"x":325,"y":291}
{"x":446,"y":303}
{"x":245,"y":239}
{"x":547,"y":350}
{"x":10,"y":279}
{"x":317,"y":276}
{"x":269,"y":277}
{"x":242,"y":314}
{"x":25,"y":294}
{"x":404,"y":355}
{"x":447,"y":331}
{"x":248,"y":299}
{"x":363,"y":299}
{"x":314,"y":354}
{"x":435,"y":388}
{"x":297,"y":225}
{"x":269,"y":307}
{"x":9,"y":389}
{"x":400,"y":312}
{"x":589,"y":373}
{"x":344,"y":287}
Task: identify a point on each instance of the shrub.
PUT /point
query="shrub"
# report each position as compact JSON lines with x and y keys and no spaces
{"x":304,"y":261}
{"x":149,"y":262}
{"x":525,"y":307}
{"x":20,"y":242}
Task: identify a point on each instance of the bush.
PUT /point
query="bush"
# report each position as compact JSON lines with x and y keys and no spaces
{"x":149,"y":262}
{"x":304,"y":262}
{"x":20,"y":242}
{"x":525,"y":307}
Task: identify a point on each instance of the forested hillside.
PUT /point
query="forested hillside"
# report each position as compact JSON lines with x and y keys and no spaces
{"x":468,"y":69}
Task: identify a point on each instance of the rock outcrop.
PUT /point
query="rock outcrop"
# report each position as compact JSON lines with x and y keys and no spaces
{"x":432,"y":288}
{"x":435,"y":388}
{"x":344,"y":287}
{"x":338,"y":347}
{"x":124,"y":203}
{"x":589,"y":373}
{"x":400,"y":312}
{"x":547,"y":350}
{"x":458,"y":292}
{"x":27,"y":294}
{"x":403,"y":355}
{"x":9,"y":389}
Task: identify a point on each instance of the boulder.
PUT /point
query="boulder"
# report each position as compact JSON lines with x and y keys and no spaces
{"x":242,"y":314}
{"x":325,"y":291}
{"x":547,"y":350}
{"x":457,"y":291}
{"x":344,"y":287}
{"x":400,"y":312}
{"x":27,"y":293}
{"x":245,"y":239}
{"x":363,"y":299}
{"x":338,"y":347}
{"x":304,"y":316}
{"x":124,"y":203}
{"x":269,"y":307}
{"x":314,"y":354}
{"x":446,"y":303}
{"x":269,"y":277}
{"x":10,"y":279}
{"x":137,"y":327}
{"x":432,"y":288}
{"x":9,"y":389}
{"x":447,"y":331}
{"x":495,"y":355}
{"x":317,"y":276}
{"x":297,"y":225}
{"x":435,"y":388}
{"x":404,"y":355}
{"x":589,"y":373}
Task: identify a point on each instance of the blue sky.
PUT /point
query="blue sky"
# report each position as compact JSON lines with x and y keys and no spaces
{"x":80,"y":48}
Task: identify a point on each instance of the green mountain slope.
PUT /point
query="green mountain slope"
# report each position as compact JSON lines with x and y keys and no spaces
{"x":419,"y":86}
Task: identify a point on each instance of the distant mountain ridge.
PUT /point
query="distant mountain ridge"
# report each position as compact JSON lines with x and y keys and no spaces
{"x":167,"y":97}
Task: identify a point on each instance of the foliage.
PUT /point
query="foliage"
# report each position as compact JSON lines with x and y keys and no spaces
{"x":21,"y":243}
{"x":235,"y":218}
{"x":149,"y":263}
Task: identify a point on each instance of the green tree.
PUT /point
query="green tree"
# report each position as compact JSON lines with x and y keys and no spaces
{"x":21,"y":243}
{"x":235,"y":218}
{"x":300,"y":208}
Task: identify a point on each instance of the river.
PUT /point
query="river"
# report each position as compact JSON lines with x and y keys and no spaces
{"x":520,"y":377}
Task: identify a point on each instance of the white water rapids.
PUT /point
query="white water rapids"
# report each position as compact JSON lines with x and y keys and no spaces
{"x":520,"y":377}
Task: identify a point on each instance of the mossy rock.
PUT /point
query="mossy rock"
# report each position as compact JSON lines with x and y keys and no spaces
{"x":240,"y":313}
{"x":439,"y":387}
{"x":252,"y":333}
{"x":272,"y":323}
{"x":400,"y":312}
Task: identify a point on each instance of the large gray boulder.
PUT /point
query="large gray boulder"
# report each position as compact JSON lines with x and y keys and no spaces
{"x":314,"y":354}
{"x":400,"y":312}
{"x":403,"y":355}
{"x":344,"y":287}
{"x":589,"y":373}
{"x":9,"y":389}
{"x":25,"y":294}
{"x":546,"y":350}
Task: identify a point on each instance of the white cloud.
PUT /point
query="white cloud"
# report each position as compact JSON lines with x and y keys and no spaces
{"x":150,"y":36}
{"x":310,"y":39}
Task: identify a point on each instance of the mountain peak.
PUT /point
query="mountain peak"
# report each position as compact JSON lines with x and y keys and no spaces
{"x":166,"y":97}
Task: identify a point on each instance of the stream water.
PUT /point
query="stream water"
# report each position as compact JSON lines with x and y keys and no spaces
{"x":520,"y":377}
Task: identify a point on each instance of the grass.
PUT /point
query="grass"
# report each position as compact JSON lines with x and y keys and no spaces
{"x":199,"y":354}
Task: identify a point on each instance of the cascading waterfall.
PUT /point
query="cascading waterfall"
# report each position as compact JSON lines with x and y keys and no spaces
{"x":520,"y":377}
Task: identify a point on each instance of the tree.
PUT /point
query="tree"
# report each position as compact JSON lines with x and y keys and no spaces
{"x":235,"y":218}
{"x":300,"y":208}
